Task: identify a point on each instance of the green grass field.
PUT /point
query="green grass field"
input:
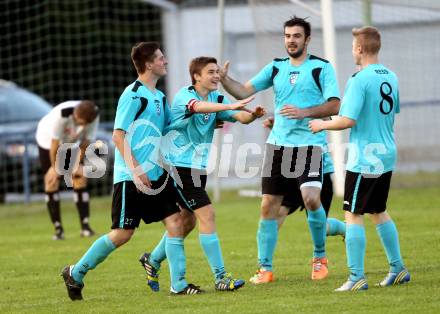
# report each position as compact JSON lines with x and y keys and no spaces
{"x":30,"y":263}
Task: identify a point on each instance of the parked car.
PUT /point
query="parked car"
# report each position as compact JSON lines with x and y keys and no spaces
{"x":20,"y":112}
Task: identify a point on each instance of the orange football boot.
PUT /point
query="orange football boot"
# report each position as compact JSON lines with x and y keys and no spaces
{"x":319,"y":268}
{"x":262,"y":276}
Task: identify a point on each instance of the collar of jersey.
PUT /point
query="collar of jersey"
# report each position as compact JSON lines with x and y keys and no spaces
{"x":303,"y":63}
{"x":146,"y":87}
{"x":193,"y":90}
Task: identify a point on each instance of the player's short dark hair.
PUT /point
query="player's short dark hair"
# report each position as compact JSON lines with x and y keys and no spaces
{"x":143,"y":52}
{"x":298,"y":21}
{"x":197,"y":64}
{"x":87,"y":110}
{"x":369,"y":38}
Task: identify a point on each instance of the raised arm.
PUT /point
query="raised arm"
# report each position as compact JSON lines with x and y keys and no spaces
{"x":236,"y":89}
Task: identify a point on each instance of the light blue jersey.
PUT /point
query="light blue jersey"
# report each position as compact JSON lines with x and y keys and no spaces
{"x":310,"y":84}
{"x":327,"y":163}
{"x":372,"y":99}
{"x":194,"y":130}
{"x":142,"y":114}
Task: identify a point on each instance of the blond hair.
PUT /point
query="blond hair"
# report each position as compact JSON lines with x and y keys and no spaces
{"x":368,"y":37}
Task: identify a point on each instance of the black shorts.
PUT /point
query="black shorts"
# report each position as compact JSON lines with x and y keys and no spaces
{"x":44,"y":156}
{"x":129,"y":205}
{"x":293,"y":200}
{"x":366,"y":195}
{"x":190,"y":185}
{"x":288,"y":168}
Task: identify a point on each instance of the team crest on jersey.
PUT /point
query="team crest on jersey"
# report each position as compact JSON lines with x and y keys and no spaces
{"x":157,"y":103}
{"x":206,"y":117}
{"x":293,"y":77}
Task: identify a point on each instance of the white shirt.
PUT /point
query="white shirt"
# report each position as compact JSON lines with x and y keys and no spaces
{"x":59,"y":124}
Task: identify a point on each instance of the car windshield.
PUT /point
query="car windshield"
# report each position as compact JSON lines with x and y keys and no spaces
{"x":19,"y":105}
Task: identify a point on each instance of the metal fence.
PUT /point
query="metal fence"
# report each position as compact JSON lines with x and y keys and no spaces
{"x":74,"y":49}
{"x":253,"y":37}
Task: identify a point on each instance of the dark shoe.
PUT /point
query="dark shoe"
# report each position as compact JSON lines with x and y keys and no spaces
{"x":152,"y":272}
{"x":58,"y":235}
{"x":86,"y":232}
{"x":73,"y":288}
{"x":190,"y":289}
{"x":228,"y":283}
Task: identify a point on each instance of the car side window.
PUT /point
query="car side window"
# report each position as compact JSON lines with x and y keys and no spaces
{"x":5,"y":115}
{"x":18,"y":105}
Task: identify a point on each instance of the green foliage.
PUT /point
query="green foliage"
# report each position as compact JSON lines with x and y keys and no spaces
{"x":30,"y":263}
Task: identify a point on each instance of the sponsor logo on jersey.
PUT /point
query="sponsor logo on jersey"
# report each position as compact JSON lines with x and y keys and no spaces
{"x":314,"y":174}
{"x":293,"y":77}
{"x":381,"y":71}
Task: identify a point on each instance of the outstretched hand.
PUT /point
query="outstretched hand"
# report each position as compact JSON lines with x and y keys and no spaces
{"x":259,"y":111}
{"x":241,"y":104}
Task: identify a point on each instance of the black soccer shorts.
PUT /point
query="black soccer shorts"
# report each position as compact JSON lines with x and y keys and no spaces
{"x":130,"y":205}
{"x":191,"y":188}
{"x":289,"y":168}
{"x":365,"y":194}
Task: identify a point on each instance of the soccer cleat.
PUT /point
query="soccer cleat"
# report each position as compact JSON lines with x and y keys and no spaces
{"x":152,"y":273}
{"x":189,"y":289}
{"x":262,"y":276}
{"x":86,"y":232}
{"x":73,"y":288}
{"x":349,"y":285}
{"x":58,"y":235}
{"x":319,"y":268}
{"x":393,"y":279}
{"x":227,"y":283}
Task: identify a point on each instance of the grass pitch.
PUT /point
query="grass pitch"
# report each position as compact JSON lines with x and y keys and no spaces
{"x":30,"y":263}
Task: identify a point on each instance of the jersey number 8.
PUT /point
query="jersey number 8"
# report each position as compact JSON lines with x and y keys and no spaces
{"x":385,"y":92}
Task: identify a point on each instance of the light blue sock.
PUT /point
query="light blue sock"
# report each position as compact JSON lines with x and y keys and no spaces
{"x":390,"y":240}
{"x":177,"y":262}
{"x":97,"y":253}
{"x":335,"y":227}
{"x":211,"y":246}
{"x":317,"y":225}
{"x":267,"y":237}
{"x":158,"y":255}
{"x":355,"y":242}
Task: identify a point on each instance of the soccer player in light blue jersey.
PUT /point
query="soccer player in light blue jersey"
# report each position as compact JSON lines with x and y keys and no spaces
{"x":369,"y":106}
{"x":195,"y":110}
{"x":304,"y":86}
{"x":142,"y":190}
{"x":293,"y":199}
